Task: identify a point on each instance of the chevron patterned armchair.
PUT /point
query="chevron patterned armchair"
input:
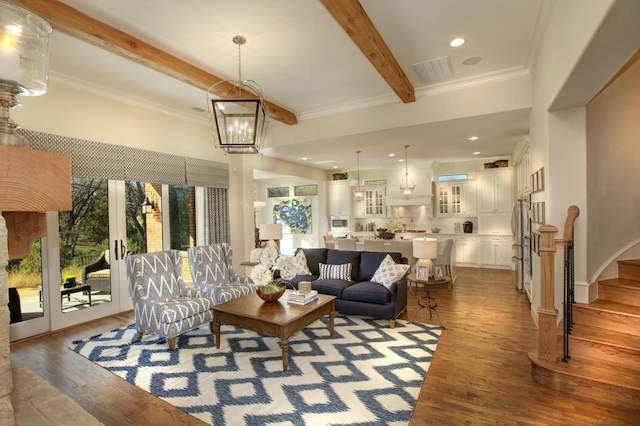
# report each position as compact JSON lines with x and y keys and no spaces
{"x":212,"y":271}
{"x":162,"y":303}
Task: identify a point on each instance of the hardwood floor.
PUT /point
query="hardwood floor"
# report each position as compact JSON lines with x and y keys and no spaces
{"x":480,"y":373}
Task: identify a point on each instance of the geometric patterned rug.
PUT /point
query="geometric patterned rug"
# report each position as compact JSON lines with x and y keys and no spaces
{"x":365,"y":374}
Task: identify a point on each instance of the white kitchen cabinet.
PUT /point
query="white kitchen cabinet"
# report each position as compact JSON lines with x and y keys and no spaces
{"x":456,"y":198}
{"x":494,"y":190}
{"x":466,"y":250}
{"x":496,"y":251}
{"x":499,"y":223}
{"x":339,"y":197}
{"x":372,"y":205}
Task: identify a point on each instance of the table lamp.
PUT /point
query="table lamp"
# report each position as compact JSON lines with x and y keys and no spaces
{"x":425,"y":249}
{"x":271,"y":232}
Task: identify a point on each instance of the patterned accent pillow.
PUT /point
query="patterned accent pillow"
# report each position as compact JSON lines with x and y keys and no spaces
{"x":335,"y":272}
{"x":389,"y":272}
{"x":300,"y":262}
{"x":287,"y":267}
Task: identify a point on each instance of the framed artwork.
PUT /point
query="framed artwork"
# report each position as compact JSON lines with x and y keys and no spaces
{"x":540,"y":174}
{"x":305,"y":190}
{"x":281,"y":191}
{"x":294,"y":215}
{"x":537,"y":212}
{"x":537,"y":180}
{"x":535,"y":243}
{"x":422,"y":272}
{"x":438,"y":272}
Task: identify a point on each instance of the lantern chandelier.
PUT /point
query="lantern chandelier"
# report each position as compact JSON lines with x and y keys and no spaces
{"x":358,"y":195}
{"x":239,"y":119}
{"x":407,"y":186}
{"x":24,"y":65}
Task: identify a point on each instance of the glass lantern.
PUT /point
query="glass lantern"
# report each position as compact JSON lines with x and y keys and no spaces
{"x":24,"y":64}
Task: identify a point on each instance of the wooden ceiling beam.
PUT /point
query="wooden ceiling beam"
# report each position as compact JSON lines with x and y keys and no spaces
{"x":71,"y":21}
{"x":355,"y":21}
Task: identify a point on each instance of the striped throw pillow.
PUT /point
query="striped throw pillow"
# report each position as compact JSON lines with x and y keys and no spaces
{"x":335,"y":272}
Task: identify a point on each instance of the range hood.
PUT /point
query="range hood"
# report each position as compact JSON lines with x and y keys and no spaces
{"x":424,"y":200}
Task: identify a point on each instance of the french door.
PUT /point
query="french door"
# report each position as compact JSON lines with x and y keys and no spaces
{"x":77,"y":273}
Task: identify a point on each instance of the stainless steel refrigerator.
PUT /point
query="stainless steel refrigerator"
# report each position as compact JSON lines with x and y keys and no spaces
{"x":521,"y":229}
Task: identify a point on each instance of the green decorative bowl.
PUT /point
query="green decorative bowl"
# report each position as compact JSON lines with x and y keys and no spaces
{"x":272,"y":292}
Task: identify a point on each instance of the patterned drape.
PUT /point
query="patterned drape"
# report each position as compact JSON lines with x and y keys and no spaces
{"x":216,"y":216}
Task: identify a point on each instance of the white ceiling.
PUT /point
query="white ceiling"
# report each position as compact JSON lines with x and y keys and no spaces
{"x":305,"y":62}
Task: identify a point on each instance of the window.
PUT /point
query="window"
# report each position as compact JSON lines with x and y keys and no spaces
{"x":461,"y":176}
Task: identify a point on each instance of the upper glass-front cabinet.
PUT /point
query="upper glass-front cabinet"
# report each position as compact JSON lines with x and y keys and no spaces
{"x":374,"y":201}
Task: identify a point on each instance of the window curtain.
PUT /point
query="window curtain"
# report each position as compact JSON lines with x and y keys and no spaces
{"x":90,"y":159}
{"x":216,"y":220}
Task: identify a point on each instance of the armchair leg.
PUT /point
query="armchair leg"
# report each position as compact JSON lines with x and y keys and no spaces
{"x":140,"y":335}
{"x":392,"y":323}
{"x":172,"y":343}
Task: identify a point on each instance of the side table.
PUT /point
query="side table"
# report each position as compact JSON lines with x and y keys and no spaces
{"x":431,"y":302}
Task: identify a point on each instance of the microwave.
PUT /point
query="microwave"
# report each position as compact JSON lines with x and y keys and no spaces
{"x":340,"y":223}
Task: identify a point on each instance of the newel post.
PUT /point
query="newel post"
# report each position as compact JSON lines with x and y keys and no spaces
{"x":547,"y":313}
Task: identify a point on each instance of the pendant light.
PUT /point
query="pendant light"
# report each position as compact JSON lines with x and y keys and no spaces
{"x":358,"y":195}
{"x":240,"y":119}
{"x":407,"y":184}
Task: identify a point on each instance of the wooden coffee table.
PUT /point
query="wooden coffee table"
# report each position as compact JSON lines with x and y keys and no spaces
{"x":277,"y":319}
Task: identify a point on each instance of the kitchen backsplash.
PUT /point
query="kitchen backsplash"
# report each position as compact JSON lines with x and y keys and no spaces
{"x":417,"y":218}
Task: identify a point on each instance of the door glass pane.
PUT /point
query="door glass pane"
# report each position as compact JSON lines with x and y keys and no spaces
{"x":85,"y":276}
{"x":144,"y":217}
{"x":182,"y":222}
{"x":25,"y":286}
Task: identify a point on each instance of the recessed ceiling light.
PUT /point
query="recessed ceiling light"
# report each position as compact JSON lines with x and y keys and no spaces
{"x":456,"y":42}
{"x":476,"y":153}
{"x":472,"y":60}
{"x":335,"y":167}
{"x":473,"y":138}
{"x":392,"y":155}
{"x":401,"y":160}
{"x":304,"y":158}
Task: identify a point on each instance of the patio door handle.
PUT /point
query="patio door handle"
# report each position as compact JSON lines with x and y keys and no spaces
{"x":123,"y":250}
{"x":115,"y":248}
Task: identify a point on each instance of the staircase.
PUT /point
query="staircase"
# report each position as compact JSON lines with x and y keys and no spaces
{"x":604,"y":345}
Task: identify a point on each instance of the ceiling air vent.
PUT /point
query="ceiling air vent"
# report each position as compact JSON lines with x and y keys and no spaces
{"x":434,"y":70}
{"x":198,"y":109}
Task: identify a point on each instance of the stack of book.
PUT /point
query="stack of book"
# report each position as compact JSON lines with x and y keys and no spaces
{"x":296,"y":298}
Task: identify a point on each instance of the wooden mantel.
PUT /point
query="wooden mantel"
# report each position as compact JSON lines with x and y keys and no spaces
{"x":31,"y":183}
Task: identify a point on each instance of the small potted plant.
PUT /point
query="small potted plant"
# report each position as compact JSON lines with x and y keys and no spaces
{"x":69,"y":281}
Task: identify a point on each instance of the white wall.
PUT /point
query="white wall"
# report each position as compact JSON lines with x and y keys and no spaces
{"x":67,"y":111}
{"x":570,"y":31}
{"x":290,"y":242}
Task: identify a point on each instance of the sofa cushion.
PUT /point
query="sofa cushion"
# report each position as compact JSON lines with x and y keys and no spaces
{"x":315,"y":256}
{"x":338,"y":272}
{"x":339,"y":257}
{"x":370,"y":260}
{"x":389,"y":272}
{"x":332,"y":287}
{"x":368,"y":292}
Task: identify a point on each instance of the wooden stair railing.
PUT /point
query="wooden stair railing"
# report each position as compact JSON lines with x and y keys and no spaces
{"x":547,"y":313}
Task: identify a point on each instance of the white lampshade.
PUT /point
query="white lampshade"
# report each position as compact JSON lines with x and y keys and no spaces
{"x":425,"y":248}
{"x":270,"y":231}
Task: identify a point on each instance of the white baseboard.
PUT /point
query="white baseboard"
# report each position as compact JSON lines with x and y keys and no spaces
{"x":585,"y":292}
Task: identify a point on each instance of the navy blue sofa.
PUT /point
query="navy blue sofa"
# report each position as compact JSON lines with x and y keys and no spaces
{"x":359,"y":296}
